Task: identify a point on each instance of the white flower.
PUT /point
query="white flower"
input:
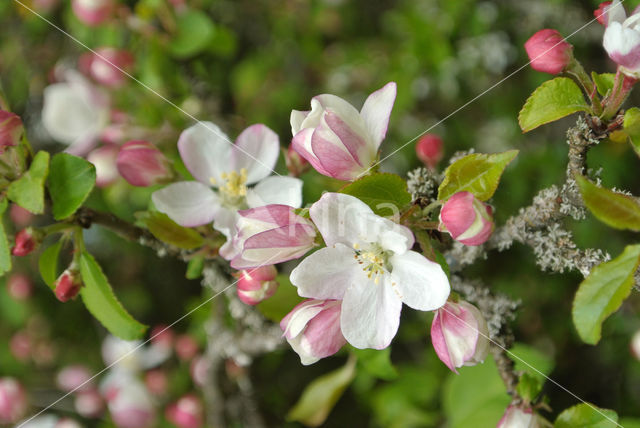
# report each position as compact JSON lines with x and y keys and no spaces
{"x":622,"y":38}
{"x":369,"y":265}
{"x":230,"y":168}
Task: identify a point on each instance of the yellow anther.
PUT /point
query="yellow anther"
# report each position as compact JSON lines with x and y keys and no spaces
{"x":213,"y":181}
{"x":234,"y":185}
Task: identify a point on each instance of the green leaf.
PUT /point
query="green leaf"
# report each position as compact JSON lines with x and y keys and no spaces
{"x":195,"y":31}
{"x":528,"y":387}
{"x":614,"y":209}
{"x":602,"y":293}
{"x":631,"y":127}
{"x":386,"y":194}
{"x":99,"y":299}
{"x":604,"y":82}
{"x":586,"y":416}
{"x":194,"y":268}
{"x":5,"y":252}
{"x":376,"y":362}
{"x":521,"y":352}
{"x":475,"y":398}
{"x":48,"y":264}
{"x":282,"y":302}
{"x":70,"y":181}
{"x":553,"y":100}
{"x":476,"y":173}
{"x":321,"y":395}
{"x":165,"y":229}
{"x":28,"y":190}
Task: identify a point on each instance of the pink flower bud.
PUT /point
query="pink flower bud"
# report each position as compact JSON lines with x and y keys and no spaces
{"x":601,"y":13}
{"x":186,"y":347}
{"x":11,"y":130}
{"x":106,"y":66}
{"x":67,"y":286}
{"x":312,"y":329}
{"x":467,"y":219}
{"x":20,"y":216}
{"x":104,"y":159}
{"x":548,"y":51}
{"x":142,"y":164}
{"x":635,"y":345}
{"x":257,"y":284}
{"x":460,"y":335}
{"x":72,"y":378}
{"x":162,"y":336}
{"x":66,"y":423}
{"x":19,"y":286}
{"x":128,"y":401}
{"x":517,"y":416}
{"x":156,"y":382}
{"x":89,"y":404}
{"x":429,"y":150}
{"x":26,"y":241}
{"x":187,"y":412}
{"x":296,"y":164}
{"x":13,"y":400}
{"x":271,"y":234}
{"x":93,"y":12}
{"x":20,"y":346}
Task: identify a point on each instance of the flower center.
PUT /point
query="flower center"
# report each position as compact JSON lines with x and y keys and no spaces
{"x":233,"y":189}
{"x":373,"y":261}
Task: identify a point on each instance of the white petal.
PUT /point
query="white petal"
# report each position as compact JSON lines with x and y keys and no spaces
{"x":370,"y":314}
{"x":225,"y":221}
{"x":422,"y":283}
{"x":390,"y":235}
{"x":206,"y":152}
{"x":188,"y":203}
{"x":297,"y":117}
{"x":615,"y":12}
{"x":256,"y":149}
{"x":327,"y":273}
{"x":301,"y":316}
{"x":376,"y":111}
{"x":340,"y":218}
{"x":276,"y":190}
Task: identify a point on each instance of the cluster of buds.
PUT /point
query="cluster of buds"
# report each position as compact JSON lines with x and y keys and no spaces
{"x":467,"y":219}
{"x":142,"y":164}
{"x":256,"y":285}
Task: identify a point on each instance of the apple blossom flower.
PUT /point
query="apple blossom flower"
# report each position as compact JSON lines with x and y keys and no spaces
{"x":26,"y":241}
{"x":93,"y":12}
{"x":187,"y":412}
{"x":517,"y":416}
{"x":336,"y":139}
{"x":230,"y":168}
{"x":130,"y":356}
{"x":11,"y":130}
{"x":467,"y":219}
{"x":104,"y":65}
{"x":622,"y":38}
{"x":429,"y":150}
{"x":312,"y":329}
{"x":104,"y":159}
{"x":89,"y":403}
{"x":68,"y":285}
{"x":369,"y":265}
{"x":142,"y":164}
{"x":75,"y":112}
{"x":271,"y":234}
{"x":73,"y":378}
{"x":548,"y":51}
{"x":128,"y":401}
{"x":13,"y":400}
{"x":257,"y":284}
{"x":199,"y":369}
{"x":459,"y":334}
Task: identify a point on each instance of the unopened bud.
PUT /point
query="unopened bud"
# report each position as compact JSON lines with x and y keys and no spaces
{"x":429,"y":150}
{"x":257,"y":284}
{"x":19,"y":286}
{"x":296,"y":164}
{"x":26,"y":241}
{"x":11,"y":130}
{"x":142,"y":164}
{"x":548,"y":51}
{"x":67,"y":286}
{"x":186,"y":347}
{"x":93,"y":12}
{"x":186,"y":412}
{"x":107,"y":66}
{"x":13,"y":400}
{"x":601,"y":13}
{"x":467,"y":219}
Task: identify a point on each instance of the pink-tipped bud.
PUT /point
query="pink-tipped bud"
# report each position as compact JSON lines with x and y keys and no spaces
{"x":460,"y":335}
{"x":13,"y":400}
{"x":26,"y":241}
{"x":67,"y":286}
{"x":142,"y":164}
{"x":108,"y":66}
{"x":635,"y":345}
{"x":186,"y":347}
{"x":429,"y":150}
{"x":467,"y":219}
{"x":156,"y":381}
{"x":11,"y":130}
{"x":93,"y":12}
{"x":89,"y":404}
{"x":519,"y":416}
{"x":187,"y":412}
{"x":19,"y":216}
{"x":19,"y":286}
{"x":257,"y":284}
{"x":312,"y":329}
{"x":296,"y":164}
{"x":601,"y":13}
{"x":104,"y":159}
{"x":162,"y":336}
{"x":548,"y":51}
{"x":73,"y":378}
